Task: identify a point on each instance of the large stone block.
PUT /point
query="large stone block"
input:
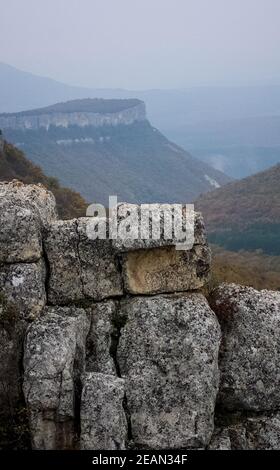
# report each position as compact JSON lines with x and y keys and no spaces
{"x":24,"y":211}
{"x":80,"y":267}
{"x":54,"y":359}
{"x":131,"y":238}
{"x":101,"y":277}
{"x":61,"y":248}
{"x":23,"y":285}
{"x":103,"y":420}
{"x":168,"y":354}
{"x":250,"y":350}
{"x":166,"y":269}
{"x":153,"y":266}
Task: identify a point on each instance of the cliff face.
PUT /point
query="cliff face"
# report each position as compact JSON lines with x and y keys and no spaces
{"x":105,"y":147}
{"x":41,"y":119}
{"x":106,"y":367}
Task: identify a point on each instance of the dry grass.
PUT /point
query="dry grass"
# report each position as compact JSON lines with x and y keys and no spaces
{"x":254,"y":269}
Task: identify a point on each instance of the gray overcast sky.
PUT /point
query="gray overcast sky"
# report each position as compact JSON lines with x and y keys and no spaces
{"x":143,"y":43}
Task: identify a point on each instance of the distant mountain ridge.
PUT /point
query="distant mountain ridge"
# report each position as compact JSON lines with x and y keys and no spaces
{"x":89,"y":105}
{"x":117,"y":153}
{"x":230,"y":128}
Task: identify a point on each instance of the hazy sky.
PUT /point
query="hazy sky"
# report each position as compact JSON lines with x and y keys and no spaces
{"x":143,"y":43}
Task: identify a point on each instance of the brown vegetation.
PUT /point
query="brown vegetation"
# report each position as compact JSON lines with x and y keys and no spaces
{"x":254,"y":269}
{"x":14,"y":165}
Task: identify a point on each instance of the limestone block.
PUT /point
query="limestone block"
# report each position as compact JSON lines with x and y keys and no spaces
{"x":103,"y":420}
{"x":80,"y":267}
{"x":54,"y":359}
{"x":24,"y":211}
{"x":250,"y":351}
{"x":168,"y":354}
{"x":23,"y":285}
{"x":166,"y":269}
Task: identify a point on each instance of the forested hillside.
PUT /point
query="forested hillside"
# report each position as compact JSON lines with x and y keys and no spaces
{"x":245,"y":214}
{"x":14,"y":165}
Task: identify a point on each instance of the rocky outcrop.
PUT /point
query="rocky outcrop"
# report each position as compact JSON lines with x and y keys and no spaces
{"x":25,"y":212}
{"x":121,"y":348}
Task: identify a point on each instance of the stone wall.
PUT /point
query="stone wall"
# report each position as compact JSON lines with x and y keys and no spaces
{"x":114,"y":346}
{"x":23,"y":121}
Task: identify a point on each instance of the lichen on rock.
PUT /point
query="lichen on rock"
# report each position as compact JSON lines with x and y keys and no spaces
{"x":80,"y":268}
{"x":168,"y":354}
{"x":24,"y":211}
{"x":250,"y":350}
{"x":103,"y":420}
{"x":54,"y":361}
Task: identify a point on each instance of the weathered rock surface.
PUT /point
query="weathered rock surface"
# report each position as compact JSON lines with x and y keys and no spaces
{"x":61,"y":248}
{"x":12,"y":331}
{"x":250,"y":350}
{"x":23,"y":285}
{"x":101,"y":338}
{"x":168,"y":353}
{"x":80,"y":267}
{"x":259,"y":432}
{"x":22,"y":298}
{"x":103,"y":420}
{"x":133,"y":235}
{"x":165,"y":348}
{"x":220,"y":440}
{"x":166,"y":269}
{"x":24,"y":211}
{"x":101,"y":277}
{"x":53,"y":363}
